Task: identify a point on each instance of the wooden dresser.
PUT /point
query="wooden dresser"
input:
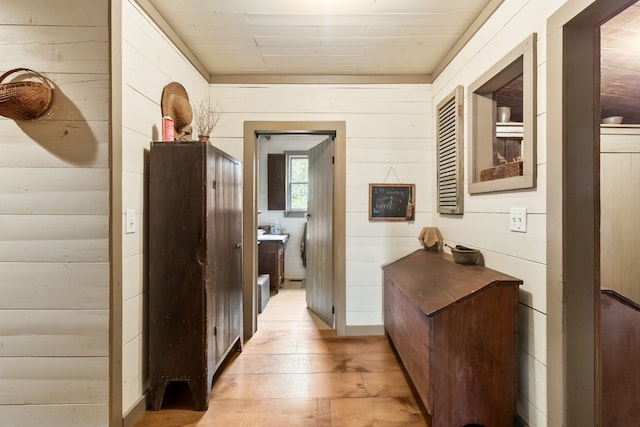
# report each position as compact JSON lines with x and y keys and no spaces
{"x":454,"y":328}
{"x":195,"y":265}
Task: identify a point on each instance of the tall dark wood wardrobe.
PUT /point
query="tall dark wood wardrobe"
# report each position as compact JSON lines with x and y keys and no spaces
{"x":195,"y":265}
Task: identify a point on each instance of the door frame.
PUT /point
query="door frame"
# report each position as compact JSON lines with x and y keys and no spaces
{"x":573,"y":210}
{"x":250,"y":214}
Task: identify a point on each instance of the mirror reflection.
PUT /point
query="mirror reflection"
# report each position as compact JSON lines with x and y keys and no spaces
{"x":507,"y":145}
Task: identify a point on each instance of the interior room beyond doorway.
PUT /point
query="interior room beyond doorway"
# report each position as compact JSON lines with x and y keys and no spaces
{"x":287,"y":220}
{"x":295,"y":219}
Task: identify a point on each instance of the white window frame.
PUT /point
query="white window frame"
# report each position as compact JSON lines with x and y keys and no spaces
{"x":290,"y":155}
{"x":521,"y":60}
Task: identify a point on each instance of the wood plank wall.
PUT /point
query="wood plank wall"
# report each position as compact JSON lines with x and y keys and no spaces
{"x":485,"y":223}
{"x":149,"y":62}
{"x":389,"y":139}
{"x":54,"y":220}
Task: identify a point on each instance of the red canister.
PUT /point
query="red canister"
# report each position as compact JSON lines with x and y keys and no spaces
{"x":167,"y":129}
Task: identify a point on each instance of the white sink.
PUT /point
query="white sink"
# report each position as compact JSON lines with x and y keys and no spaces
{"x":281,"y":237}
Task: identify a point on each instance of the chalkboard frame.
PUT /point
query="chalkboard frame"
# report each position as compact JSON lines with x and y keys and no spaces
{"x":403,"y":212}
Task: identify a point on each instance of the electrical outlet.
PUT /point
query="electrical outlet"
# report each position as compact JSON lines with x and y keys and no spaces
{"x":518,"y":220}
{"x":130,"y":221}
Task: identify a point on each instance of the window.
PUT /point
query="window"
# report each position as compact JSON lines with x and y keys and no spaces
{"x":288,"y":182}
{"x":502,"y":149}
{"x":297,"y":182}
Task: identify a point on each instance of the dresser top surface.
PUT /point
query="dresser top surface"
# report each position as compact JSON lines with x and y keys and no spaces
{"x":433,"y":281}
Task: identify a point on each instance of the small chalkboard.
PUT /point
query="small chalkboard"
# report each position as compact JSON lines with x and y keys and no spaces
{"x":392,"y":202}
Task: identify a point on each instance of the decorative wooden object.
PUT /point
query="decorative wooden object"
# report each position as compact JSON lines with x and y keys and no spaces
{"x":271,"y":261}
{"x":502,"y":171}
{"x":195,"y":265}
{"x":620,"y":352}
{"x":454,"y":328}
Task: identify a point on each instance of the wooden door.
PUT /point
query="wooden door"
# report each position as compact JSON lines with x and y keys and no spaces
{"x":227,"y":268}
{"x":319,"y":245}
{"x":234,"y":176}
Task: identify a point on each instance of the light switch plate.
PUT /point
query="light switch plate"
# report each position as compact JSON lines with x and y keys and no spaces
{"x":518,"y":220}
{"x":130,"y":221}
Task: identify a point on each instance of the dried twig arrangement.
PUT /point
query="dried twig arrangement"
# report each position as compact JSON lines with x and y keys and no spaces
{"x":206,"y":116}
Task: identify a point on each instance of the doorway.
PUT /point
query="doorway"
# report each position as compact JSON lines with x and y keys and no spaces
{"x":295,"y":207}
{"x":573,"y":207}
{"x":252,"y":130}
{"x":618,"y":329}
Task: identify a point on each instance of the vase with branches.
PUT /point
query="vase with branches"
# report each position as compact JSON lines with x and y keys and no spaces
{"x":206,"y":117}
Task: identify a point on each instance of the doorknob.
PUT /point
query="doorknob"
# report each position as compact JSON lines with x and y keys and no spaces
{"x":307,"y":215}
{"x":238,"y":245}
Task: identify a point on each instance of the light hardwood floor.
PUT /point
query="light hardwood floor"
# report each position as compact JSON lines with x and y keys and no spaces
{"x":295,"y":372}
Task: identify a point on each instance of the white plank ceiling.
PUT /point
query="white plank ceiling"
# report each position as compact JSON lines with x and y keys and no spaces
{"x":357,"y":38}
{"x":319,"y":37}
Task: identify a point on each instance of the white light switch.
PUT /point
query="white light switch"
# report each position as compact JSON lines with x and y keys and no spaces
{"x":518,"y":220}
{"x":130,"y":221}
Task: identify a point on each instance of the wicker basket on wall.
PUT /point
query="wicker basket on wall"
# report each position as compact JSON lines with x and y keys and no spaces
{"x":25,"y":99}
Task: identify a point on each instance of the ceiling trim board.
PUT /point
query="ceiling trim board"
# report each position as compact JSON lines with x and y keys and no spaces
{"x":168,"y":31}
{"x":320,"y":79}
{"x":482,"y":18}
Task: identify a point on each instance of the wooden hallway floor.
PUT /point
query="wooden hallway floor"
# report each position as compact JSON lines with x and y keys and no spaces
{"x":295,"y":371}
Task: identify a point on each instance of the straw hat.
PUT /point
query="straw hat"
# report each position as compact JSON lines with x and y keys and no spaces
{"x":175,"y":104}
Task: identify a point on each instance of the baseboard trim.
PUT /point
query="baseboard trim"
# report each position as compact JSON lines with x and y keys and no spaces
{"x":136,"y":412}
{"x":359,"y":330}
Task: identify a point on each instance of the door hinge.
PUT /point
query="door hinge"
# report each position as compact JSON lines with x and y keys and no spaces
{"x":333,"y":160}
{"x":213,"y":184}
{"x":333,"y":309}
{"x":215,"y":331}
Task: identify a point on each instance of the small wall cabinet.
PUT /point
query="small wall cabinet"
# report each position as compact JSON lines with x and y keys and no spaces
{"x":455,"y":330}
{"x":195,"y":265}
